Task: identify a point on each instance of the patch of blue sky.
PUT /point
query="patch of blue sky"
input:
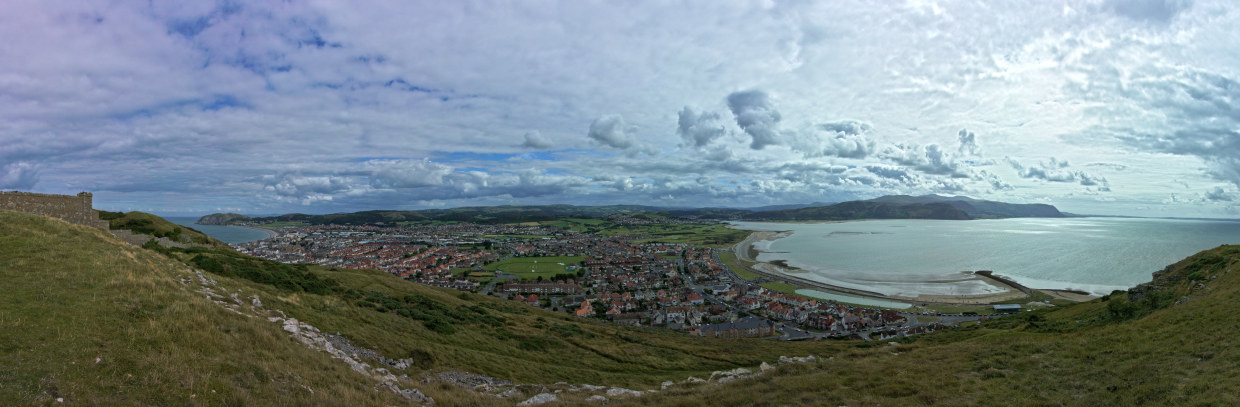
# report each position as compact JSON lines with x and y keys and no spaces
{"x":213,"y":103}
{"x":461,"y":156}
{"x":368,"y":159}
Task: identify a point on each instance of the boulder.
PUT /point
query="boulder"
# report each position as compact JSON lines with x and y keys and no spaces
{"x":540,"y":399}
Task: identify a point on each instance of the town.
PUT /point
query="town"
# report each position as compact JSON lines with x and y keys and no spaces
{"x":631,"y":279}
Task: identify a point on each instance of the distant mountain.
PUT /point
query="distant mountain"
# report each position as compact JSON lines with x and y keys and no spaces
{"x":222,"y":219}
{"x":887,"y":207}
{"x":477,"y":214}
{"x":788,"y":206}
{"x":866,"y":210}
{"x":977,"y":208}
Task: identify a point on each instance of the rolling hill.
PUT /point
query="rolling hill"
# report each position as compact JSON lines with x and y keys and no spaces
{"x":87,"y":319}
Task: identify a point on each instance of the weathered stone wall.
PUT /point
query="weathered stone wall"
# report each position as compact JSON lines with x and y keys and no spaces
{"x":73,"y":209}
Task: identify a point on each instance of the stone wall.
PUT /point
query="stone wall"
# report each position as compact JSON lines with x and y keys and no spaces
{"x":70,"y":208}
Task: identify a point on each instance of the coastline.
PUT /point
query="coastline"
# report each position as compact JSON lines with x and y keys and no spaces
{"x":747,"y":252}
{"x":270,"y":233}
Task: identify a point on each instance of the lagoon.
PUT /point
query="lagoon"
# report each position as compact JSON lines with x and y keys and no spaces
{"x":927,"y":257}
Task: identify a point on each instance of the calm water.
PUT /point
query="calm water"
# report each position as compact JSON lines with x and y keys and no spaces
{"x":226,"y":234}
{"x":903,"y":257}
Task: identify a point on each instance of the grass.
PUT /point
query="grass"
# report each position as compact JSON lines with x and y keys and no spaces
{"x":530,"y":268}
{"x":782,"y":287}
{"x":93,"y":321}
{"x":148,"y":224}
{"x":714,"y":235}
{"x":74,"y":295}
{"x":729,"y":259}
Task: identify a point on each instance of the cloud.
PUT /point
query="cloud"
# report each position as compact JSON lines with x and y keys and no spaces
{"x":1219,"y":195}
{"x":847,"y":139}
{"x":968,"y":142}
{"x":535,"y":140}
{"x":756,"y":116}
{"x":610,"y":131}
{"x":697,"y":129}
{"x":930,"y":159}
{"x":407,"y":173}
{"x":19,"y":175}
{"x":1055,"y":170}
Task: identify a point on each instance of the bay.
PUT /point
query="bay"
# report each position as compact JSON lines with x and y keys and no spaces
{"x":914,"y":257}
{"x":226,"y":234}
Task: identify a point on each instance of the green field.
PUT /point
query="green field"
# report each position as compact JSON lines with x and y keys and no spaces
{"x":702,"y":235}
{"x":576,"y":224}
{"x":734,"y":264}
{"x":530,"y":268}
{"x":782,"y":287}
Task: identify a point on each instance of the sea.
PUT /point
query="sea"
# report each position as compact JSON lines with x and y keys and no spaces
{"x":226,"y":234}
{"x":914,"y":257}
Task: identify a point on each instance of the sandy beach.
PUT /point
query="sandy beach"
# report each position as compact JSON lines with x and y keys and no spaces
{"x":746,"y":251}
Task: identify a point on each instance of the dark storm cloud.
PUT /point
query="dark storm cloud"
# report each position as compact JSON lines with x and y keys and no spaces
{"x":699,"y":129}
{"x":756,"y":116}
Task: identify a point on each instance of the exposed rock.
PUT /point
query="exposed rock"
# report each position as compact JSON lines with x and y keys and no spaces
{"x":590,"y":387}
{"x":622,"y":392}
{"x":804,"y":359}
{"x":764,"y":367}
{"x":539,"y":399}
{"x":596,"y":399}
{"x":468,"y":380}
{"x":740,"y":371}
{"x":667,"y":384}
{"x":413,"y":395}
{"x":692,"y":379}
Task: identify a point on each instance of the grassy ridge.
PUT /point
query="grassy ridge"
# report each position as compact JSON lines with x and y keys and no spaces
{"x":148,"y":224}
{"x":90,"y":320}
{"x":73,"y":294}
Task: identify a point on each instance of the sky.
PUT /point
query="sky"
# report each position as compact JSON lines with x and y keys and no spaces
{"x":267,"y":107}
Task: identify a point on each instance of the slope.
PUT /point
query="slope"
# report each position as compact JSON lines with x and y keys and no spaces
{"x":1169,"y":342}
{"x":87,"y":318}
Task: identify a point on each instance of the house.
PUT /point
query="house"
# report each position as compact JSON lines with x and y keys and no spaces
{"x":748,"y":327}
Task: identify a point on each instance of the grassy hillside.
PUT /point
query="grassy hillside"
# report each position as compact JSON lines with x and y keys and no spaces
{"x":75,"y":295}
{"x":148,"y":224}
{"x":90,"y":320}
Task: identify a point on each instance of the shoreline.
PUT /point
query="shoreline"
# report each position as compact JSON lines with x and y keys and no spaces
{"x":747,"y":252}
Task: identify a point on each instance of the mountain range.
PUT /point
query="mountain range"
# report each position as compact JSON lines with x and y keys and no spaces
{"x":886,"y":207}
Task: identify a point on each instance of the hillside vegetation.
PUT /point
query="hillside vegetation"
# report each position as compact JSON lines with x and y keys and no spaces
{"x":74,"y":295}
{"x":90,"y":320}
{"x":148,"y":224}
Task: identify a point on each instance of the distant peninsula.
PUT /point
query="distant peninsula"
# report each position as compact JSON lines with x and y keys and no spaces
{"x":885,"y":207}
{"x":221,"y":219}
